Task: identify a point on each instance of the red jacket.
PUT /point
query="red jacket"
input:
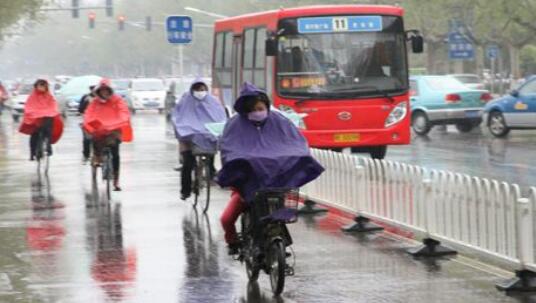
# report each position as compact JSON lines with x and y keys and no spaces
{"x":102,"y":118}
{"x":41,"y":105}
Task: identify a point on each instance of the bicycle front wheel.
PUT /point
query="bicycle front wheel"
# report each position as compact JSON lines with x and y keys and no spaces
{"x":277,"y":267}
{"x":207,"y":178}
{"x":107,"y":174}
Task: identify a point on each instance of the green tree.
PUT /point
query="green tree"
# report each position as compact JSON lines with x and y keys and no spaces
{"x":12,"y":11}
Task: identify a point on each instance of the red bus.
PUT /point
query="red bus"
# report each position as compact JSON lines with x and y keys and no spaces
{"x":345,"y":66}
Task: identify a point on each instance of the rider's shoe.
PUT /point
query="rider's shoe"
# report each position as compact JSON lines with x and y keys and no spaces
{"x":49,"y":152}
{"x":116,"y":186}
{"x":32,"y":158}
{"x":233,"y":249}
{"x":185,"y":196}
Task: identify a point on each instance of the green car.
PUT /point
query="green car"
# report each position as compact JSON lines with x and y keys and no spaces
{"x":444,"y":100}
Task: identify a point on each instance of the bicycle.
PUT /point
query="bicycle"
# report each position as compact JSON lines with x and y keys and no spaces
{"x":202,"y":176}
{"x":264,"y":236}
{"x":107,"y":170}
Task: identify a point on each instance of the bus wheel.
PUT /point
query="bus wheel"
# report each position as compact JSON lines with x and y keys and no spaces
{"x":378,"y":152}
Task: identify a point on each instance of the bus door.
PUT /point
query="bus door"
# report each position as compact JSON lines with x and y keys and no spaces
{"x":237,"y":65}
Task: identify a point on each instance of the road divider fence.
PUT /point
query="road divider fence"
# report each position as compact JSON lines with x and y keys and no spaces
{"x":449,"y":211}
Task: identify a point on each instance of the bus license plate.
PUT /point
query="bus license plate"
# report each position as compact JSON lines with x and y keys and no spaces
{"x":346,"y":138}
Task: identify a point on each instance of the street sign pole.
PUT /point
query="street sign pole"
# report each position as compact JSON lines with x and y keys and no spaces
{"x":181,"y":61}
{"x":179,"y":31}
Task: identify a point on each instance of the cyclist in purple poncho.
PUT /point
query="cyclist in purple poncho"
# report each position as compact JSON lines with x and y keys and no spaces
{"x":260,"y":149}
{"x":195,"y":109}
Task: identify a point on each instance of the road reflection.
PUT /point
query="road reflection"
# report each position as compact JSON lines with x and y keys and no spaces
{"x":45,"y":231}
{"x":113,"y":267}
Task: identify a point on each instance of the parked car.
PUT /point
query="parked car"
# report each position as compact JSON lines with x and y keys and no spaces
{"x":70,"y":94}
{"x":18,"y":100}
{"x":148,"y":93}
{"x":443,"y":100}
{"x":516,"y":110}
{"x":470,"y":80}
{"x":120,"y":87}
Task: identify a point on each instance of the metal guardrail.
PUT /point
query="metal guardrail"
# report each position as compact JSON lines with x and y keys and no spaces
{"x":473,"y":214}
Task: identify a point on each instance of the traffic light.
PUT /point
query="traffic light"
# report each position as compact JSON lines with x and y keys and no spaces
{"x":91,"y":17}
{"x":148,"y":23}
{"x":121,"y":22}
{"x":75,"y":5}
{"x":109,"y":8}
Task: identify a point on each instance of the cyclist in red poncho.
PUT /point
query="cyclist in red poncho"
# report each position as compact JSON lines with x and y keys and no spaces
{"x":41,"y":114}
{"x":107,"y":122}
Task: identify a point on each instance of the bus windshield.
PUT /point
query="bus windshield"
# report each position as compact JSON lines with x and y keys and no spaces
{"x":343,"y":64}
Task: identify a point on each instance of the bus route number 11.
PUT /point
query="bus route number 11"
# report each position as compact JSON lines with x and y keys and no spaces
{"x":340,"y":24}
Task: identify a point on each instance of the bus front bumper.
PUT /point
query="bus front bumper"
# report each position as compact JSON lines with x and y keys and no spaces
{"x":357,"y":137}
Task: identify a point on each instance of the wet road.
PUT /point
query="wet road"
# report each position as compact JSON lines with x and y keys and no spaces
{"x":61,"y":242}
{"x":478,"y":153}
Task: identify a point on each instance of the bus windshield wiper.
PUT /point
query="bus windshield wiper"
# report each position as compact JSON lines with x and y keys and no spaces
{"x":373,"y":89}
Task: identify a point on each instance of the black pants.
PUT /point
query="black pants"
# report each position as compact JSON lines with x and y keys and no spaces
{"x":86,"y":145}
{"x":46,"y":132}
{"x":114,"y":148}
{"x":188,"y":165}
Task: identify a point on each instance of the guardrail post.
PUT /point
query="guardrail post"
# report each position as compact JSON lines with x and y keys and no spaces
{"x":525,"y":279}
{"x":310,"y":208}
{"x":362,"y":224}
{"x":430,"y":247}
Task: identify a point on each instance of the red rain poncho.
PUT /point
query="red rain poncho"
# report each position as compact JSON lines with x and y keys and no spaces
{"x":38,"y":106}
{"x":102,"y":118}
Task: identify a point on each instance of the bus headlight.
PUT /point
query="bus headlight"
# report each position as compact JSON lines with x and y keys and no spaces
{"x":397,"y":114}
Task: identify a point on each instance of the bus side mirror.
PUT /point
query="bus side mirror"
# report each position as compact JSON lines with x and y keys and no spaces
{"x":271,"y":47}
{"x":417,"y":44}
{"x":417,"y":41}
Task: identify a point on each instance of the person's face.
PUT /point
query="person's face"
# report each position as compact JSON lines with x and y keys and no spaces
{"x":259,"y":107}
{"x":42,"y":87}
{"x":105,"y":93}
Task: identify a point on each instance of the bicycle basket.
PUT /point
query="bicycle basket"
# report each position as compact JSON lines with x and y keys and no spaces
{"x":277,"y":205}
{"x":198,"y":150}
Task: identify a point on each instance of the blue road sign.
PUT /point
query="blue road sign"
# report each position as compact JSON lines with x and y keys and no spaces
{"x":179,"y":29}
{"x":340,"y":24}
{"x":460,"y":48}
{"x":492,"y":52}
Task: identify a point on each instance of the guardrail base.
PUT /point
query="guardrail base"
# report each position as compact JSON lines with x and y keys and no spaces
{"x":524,"y":281}
{"x":309,"y":208}
{"x":431,"y":248}
{"x":361,"y":225}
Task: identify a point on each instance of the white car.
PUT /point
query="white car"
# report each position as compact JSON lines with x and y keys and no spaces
{"x":18,"y":100}
{"x":147,"y":93}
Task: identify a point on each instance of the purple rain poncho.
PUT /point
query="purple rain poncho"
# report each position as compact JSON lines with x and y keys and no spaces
{"x":190,"y":116}
{"x":273,"y":154}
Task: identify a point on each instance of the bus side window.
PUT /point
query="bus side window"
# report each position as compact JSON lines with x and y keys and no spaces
{"x":218,"y":61}
{"x":260,"y":58}
{"x":248,"y":56}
